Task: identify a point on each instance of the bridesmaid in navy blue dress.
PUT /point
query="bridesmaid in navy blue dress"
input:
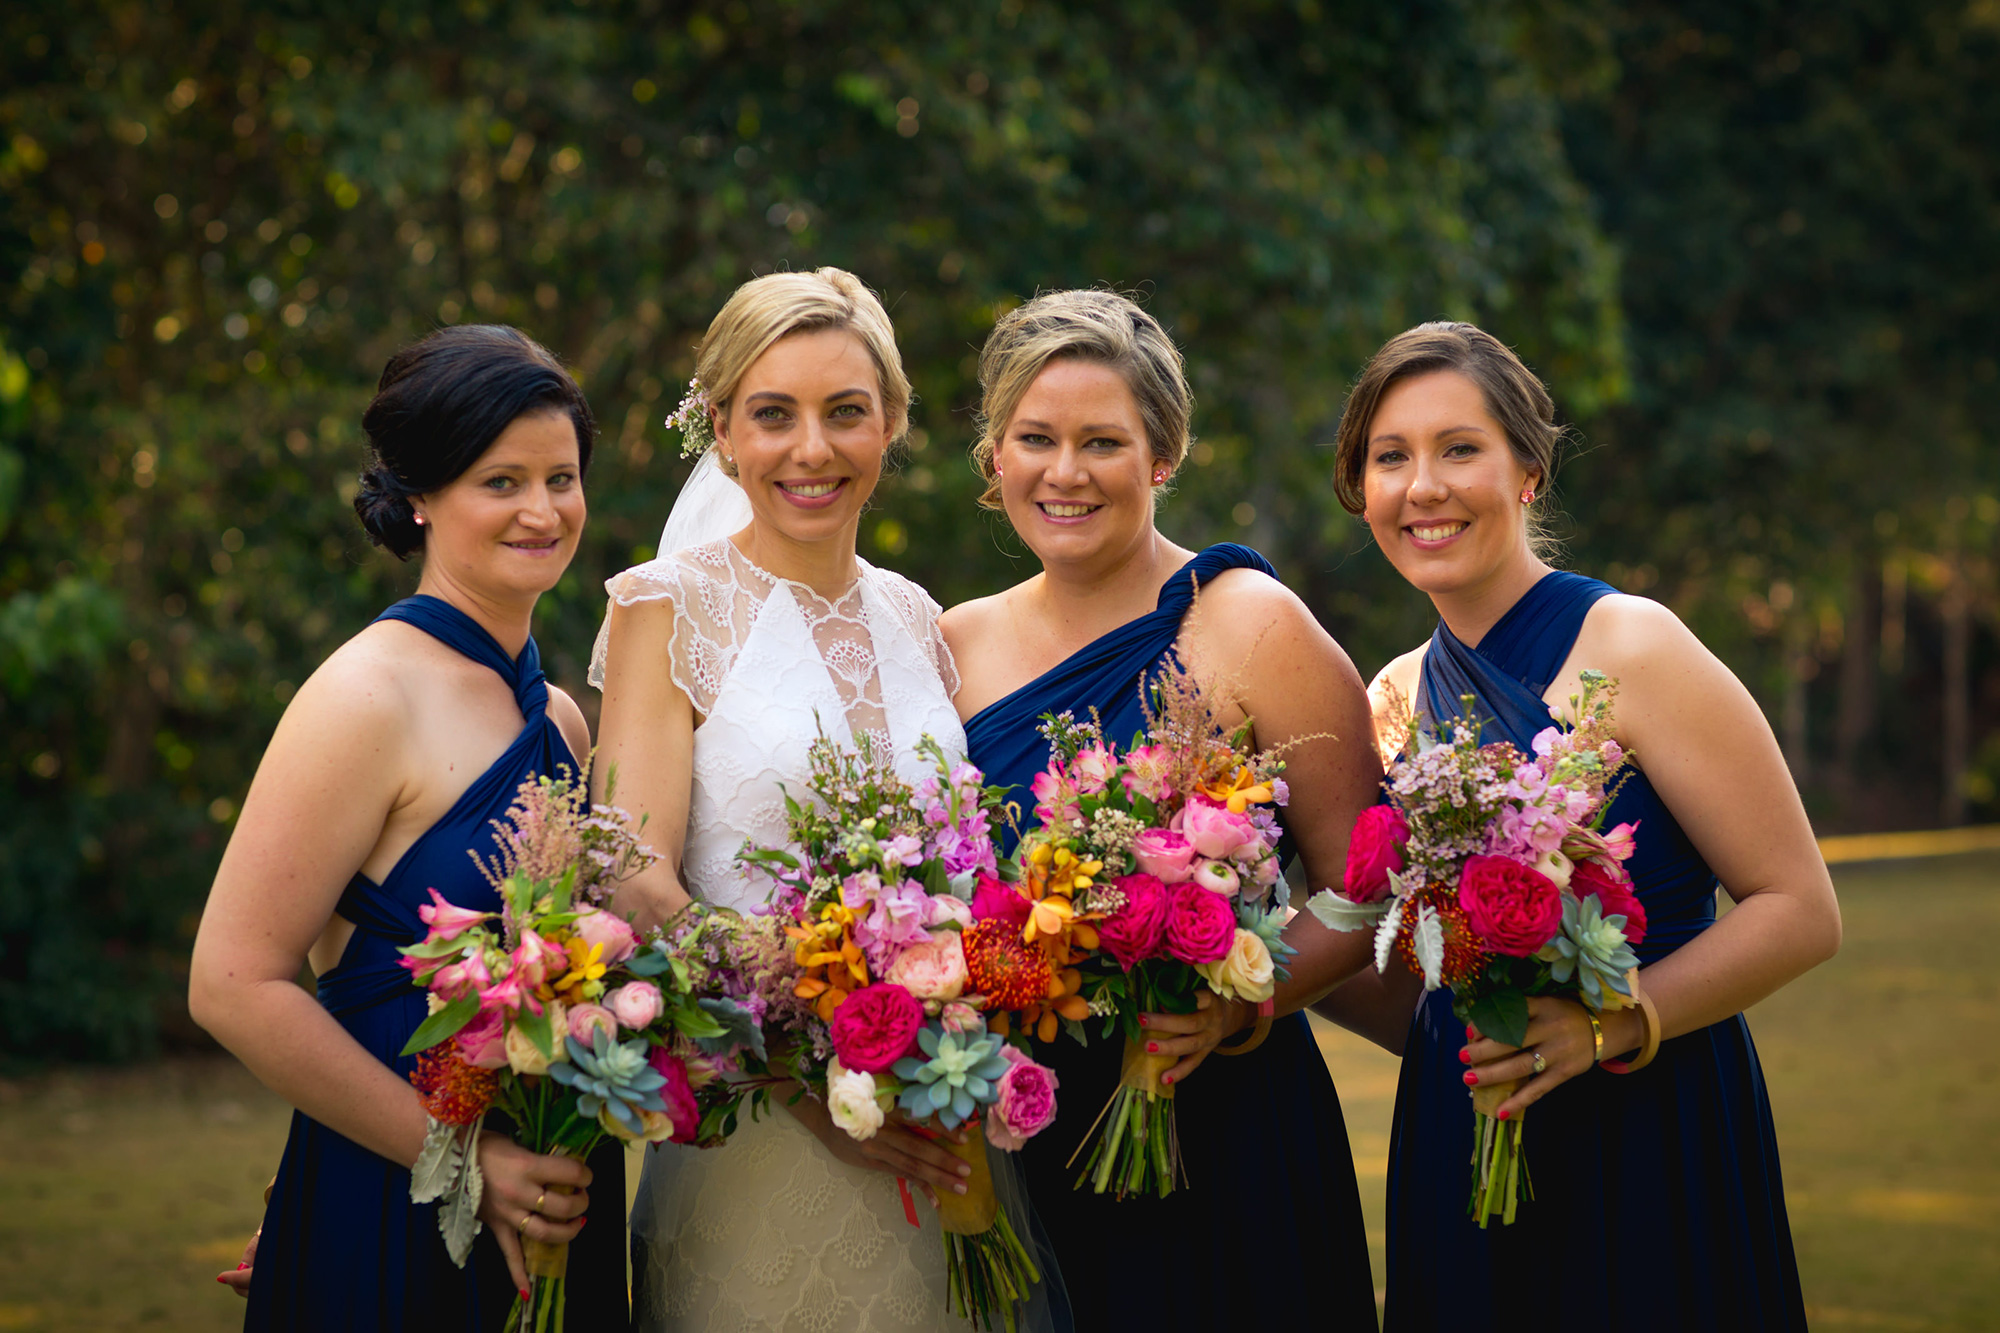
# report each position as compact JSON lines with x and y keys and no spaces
{"x":379,"y":787}
{"x":1658,"y":1191}
{"x":1085,"y":417}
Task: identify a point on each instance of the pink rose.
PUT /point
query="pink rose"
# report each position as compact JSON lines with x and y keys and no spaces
{"x":483,"y":1041}
{"x":934,"y":970}
{"x":1201,"y":926}
{"x":1513,"y":909}
{"x":1212,"y":830}
{"x":1217,"y":877}
{"x":1133,"y":933}
{"x":1164,"y":854}
{"x":876,"y":1026}
{"x":1026,"y":1103}
{"x":446,"y":921}
{"x":996,"y":898}
{"x":677,"y":1094}
{"x":586,"y":1020}
{"x":1374,"y":848}
{"x":595,"y":927}
{"x":635,"y":1004}
{"x":1614,"y":897}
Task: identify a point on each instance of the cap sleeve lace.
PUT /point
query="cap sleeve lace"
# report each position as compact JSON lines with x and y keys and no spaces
{"x":713,"y":614}
{"x":919,"y":614}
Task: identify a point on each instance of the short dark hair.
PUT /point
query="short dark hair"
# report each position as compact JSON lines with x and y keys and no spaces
{"x":441,"y":403}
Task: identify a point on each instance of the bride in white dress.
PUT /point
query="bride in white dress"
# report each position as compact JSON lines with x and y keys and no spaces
{"x":720,"y":661}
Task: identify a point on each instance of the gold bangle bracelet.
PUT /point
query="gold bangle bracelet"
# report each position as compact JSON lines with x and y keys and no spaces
{"x":1596,"y":1035}
{"x":1257,"y":1033}
{"x":1649,"y":1045}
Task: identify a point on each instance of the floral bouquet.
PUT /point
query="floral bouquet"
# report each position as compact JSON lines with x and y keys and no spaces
{"x":896,"y":978}
{"x":1152,"y":873}
{"x":551,"y":1011}
{"x":1488,"y":873}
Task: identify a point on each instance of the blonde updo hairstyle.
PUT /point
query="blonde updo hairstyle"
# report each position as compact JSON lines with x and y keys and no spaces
{"x":1516,"y":398}
{"x":1098,"y":326}
{"x":775,"y":306}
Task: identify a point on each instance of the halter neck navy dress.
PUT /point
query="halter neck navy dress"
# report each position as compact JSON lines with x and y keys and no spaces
{"x":343,"y":1247}
{"x":1657,"y":1198}
{"x":1271,"y":1203}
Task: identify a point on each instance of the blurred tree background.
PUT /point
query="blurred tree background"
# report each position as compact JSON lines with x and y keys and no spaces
{"x":1751,"y":246}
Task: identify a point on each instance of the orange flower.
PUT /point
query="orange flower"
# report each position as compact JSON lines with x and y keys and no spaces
{"x":1239,"y":792}
{"x":832,"y":963}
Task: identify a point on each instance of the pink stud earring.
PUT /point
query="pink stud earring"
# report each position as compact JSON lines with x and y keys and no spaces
{"x":1528,"y":496}
{"x":1159,"y":476}
{"x":418,"y":519}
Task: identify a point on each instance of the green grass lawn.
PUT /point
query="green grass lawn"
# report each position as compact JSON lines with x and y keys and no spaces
{"x":127,"y":1191}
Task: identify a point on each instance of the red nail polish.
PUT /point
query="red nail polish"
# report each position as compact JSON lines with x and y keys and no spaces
{"x":582,"y":1222}
{"x":1142,"y":1020}
{"x":524,"y":1293}
{"x":1471,"y":1032}
{"x":1471,"y":1078}
{"x":241,"y":1267}
{"x":1464,"y":1057}
{"x":223,"y":1278}
{"x":1503,"y":1115}
{"x":1166,"y":1078}
{"x":1152,"y":1048}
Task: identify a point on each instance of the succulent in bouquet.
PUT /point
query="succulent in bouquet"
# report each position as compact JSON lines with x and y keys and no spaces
{"x":1488,"y":871}
{"x":901,"y":989}
{"x":551,"y":1012}
{"x":1151,"y":875}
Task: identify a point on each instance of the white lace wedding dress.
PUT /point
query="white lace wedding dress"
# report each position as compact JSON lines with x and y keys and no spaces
{"x":770,"y":1231}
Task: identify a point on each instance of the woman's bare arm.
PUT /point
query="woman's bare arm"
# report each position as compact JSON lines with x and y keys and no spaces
{"x":646,"y":745}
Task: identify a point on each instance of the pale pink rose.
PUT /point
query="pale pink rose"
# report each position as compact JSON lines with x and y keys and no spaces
{"x":587,"y":1019}
{"x":1026,"y":1103}
{"x":635,"y":1004}
{"x":1212,"y":829}
{"x":595,"y":927}
{"x":1217,"y":877}
{"x":446,"y":921}
{"x":945,"y":910}
{"x":483,"y":1041}
{"x":1164,"y":854}
{"x":934,"y":970}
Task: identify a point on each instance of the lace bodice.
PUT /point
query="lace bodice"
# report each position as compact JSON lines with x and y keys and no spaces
{"x":767,"y":663}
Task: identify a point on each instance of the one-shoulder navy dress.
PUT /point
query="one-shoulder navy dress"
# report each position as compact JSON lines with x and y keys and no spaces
{"x":1268,"y":1232}
{"x":1657,"y":1199}
{"x":343,"y":1247}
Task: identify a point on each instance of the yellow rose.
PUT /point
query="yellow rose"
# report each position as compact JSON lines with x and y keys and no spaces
{"x":523,"y":1056}
{"x":1244,"y":973}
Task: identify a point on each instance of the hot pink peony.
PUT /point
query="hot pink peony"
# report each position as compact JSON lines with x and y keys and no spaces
{"x":876,"y":1026}
{"x":1374,"y":848}
{"x":595,"y":927}
{"x":1212,"y":830}
{"x":1026,"y":1103}
{"x":448,"y":922}
{"x":677,"y":1094}
{"x":1201,"y":926}
{"x":1134,"y":932}
{"x":996,"y":898}
{"x":1614,"y":897}
{"x":1164,"y":854}
{"x":635,"y":1004}
{"x":483,"y":1041}
{"x":1513,"y":909}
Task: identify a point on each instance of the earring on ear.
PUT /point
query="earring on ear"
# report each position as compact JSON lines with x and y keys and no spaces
{"x":1528,"y":496}
{"x":1159,"y":476}
{"x":418,"y":519}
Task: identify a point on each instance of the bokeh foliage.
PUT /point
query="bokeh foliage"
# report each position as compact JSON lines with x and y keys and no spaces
{"x":220,"y":218}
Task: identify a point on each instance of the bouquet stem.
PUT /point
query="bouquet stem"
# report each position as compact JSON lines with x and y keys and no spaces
{"x":1138,"y":1151}
{"x":548,"y":1272}
{"x":988,"y":1271}
{"x":1498,"y":1171}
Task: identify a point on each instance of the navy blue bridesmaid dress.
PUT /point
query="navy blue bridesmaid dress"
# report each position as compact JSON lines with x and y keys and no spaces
{"x":343,"y":1247}
{"x":1657,"y":1198}
{"x":1268,"y":1233}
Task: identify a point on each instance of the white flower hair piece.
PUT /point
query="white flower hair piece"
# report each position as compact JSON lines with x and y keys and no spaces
{"x":691,"y":419}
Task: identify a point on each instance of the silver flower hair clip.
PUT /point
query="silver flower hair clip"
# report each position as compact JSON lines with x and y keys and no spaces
{"x":692,"y":421}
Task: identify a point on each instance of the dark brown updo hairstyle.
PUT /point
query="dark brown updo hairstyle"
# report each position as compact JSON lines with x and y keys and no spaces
{"x":1517,"y":400}
{"x":442,"y":402}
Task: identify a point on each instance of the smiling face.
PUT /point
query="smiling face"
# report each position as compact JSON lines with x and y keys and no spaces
{"x":807,"y":433}
{"x":507,"y":526}
{"x":1443,"y":487}
{"x":1076,"y":470}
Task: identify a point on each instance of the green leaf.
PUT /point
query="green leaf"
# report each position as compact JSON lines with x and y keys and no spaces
{"x":538,"y":1030}
{"x":738,"y":1028}
{"x":439,"y":1164}
{"x":1338,"y":912}
{"x":696,"y":1023}
{"x":1502,"y":1016}
{"x":444,"y":1023}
